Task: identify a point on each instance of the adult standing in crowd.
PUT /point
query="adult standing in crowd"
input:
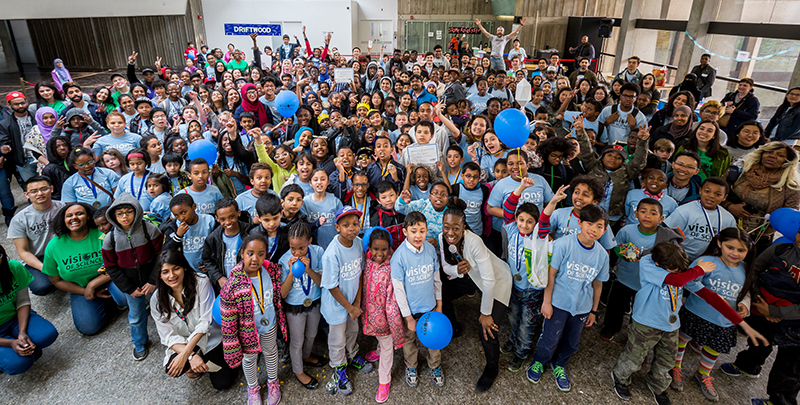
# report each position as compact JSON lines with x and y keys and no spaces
{"x":13,"y":129}
{"x":631,"y":74}
{"x":740,"y":106}
{"x":584,"y":50}
{"x":706,"y":76}
{"x":785,"y":124}
{"x":31,"y":231}
{"x":499,"y":42}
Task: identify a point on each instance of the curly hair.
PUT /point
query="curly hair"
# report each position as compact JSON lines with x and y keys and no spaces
{"x":555,"y":144}
{"x":597,"y":188}
{"x":59,"y":224}
{"x":789,"y":177}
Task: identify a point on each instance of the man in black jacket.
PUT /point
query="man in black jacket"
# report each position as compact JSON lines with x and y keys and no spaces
{"x":148,"y":75}
{"x":13,"y":129}
{"x":706,"y":76}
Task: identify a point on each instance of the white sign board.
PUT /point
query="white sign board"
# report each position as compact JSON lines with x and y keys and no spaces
{"x":343,"y":75}
{"x":423,"y":154}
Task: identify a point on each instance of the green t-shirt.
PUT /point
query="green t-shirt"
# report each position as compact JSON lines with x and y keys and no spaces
{"x":706,"y":161}
{"x":241,"y":65}
{"x":20,"y":279}
{"x":74,"y":261}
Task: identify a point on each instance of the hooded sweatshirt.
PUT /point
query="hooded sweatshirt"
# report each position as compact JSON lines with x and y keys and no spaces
{"x":57,"y":171}
{"x":78,"y":135}
{"x":370,"y":82}
{"x":129,"y":257}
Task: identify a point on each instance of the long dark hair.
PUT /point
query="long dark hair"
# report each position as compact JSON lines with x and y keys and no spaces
{"x":455,"y":207}
{"x":733,"y":140}
{"x":6,"y":278}
{"x":714,"y":147}
{"x":691,"y":103}
{"x":781,"y":109}
{"x":59,"y":224}
{"x":56,"y":93}
{"x":734,"y":233}
{"x":163,"y":292}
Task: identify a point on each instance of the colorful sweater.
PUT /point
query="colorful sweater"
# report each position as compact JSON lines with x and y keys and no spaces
{"x":381,"y":316}
{"x":239,"y":333}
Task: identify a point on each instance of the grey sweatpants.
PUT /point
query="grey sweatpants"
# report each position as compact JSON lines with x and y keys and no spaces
{"x":302,"y":331}
{"x":342,"y":337}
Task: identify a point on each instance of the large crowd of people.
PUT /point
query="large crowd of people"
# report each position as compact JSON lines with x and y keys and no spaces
{"x":389,"y":196}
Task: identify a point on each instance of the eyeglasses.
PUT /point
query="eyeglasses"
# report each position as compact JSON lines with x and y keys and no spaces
{"x":82,"y":165}
{"x":39,"y":190}
{"x":681,"y":165}
{"x":471,"y":176}
{"x":123,"y":213}
{"x":282,"y":155}
{"x":707,"y":112}
{"x":18,"y":104}
{"x":439,"y":193}
{"x":627,"y":95}
{"x":360,"y":185}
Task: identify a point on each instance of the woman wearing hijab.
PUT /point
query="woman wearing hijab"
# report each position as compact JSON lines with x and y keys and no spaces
{"x":60,"y":74}
{"x":678,"y":130}
{"x":219,"y":69}
{"x":35,"y":149}
{"x":250,"y":103}
{"x":689,"y":84}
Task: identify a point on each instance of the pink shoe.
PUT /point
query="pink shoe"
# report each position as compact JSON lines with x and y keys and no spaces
{"x":254,"y":395}
{"x":274,"y":395}
{"x":372,"y":356}
{"x":383,"y":393}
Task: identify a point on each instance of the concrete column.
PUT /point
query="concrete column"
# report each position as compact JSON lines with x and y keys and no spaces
{"x":199,"y":24}
{"x":8,"y":49}
{"x":697,"y":27}
{"x":627,"y":29}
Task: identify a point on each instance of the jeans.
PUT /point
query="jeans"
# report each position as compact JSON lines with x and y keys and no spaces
{"x":525,"y":311}
{"x":41,"y":332}
{"x":6,"y":197}
{"x":91,"y":316}
{"x":560,"y":337}
{"x":137,"y":318}
{"x":41,"y":284}
{"x":497,"y":63}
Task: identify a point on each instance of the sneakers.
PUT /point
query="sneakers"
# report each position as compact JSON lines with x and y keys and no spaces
{"x":662,"y":398}
{"x":383,"y":393}
{"x":361,"y":364}
{"x":677,"y":380}
{"x":515,"y":364}
{"x":411,"y":377}
{"x":342,"y":384}
{"x":535,"y":371}
{"x":140,"y":355}
{"x":486,"y":380}
{"x":372,"y":356}
{"x":707,"y":386}
{"x":759,"y":401}
{"x":731,"y":370}
{"x":274,"y":395}
{"x":606,"y":336}
{"x":254,"y":395}
{"x":622,"y":390}
{"x":437,"y":376}
{"x":506,"y":347}
{"x":562,"y":381}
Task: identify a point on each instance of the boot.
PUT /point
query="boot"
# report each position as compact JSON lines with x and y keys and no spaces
{"x":8,"y":214}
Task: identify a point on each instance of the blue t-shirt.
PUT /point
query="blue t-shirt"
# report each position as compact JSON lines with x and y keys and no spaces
{"x":266,"y":294}
{"x":564,"y":222}
{"x":653,"y":304}
{"x":247,"y":201}
{"x":194,"y":239}
{"x":78,"y":189}
{"x":479,"y":102}
{"x":699,"y":225}
{"x":516,"y":256}
{"x":455,"y":178}
{"x":668,"y":204}
{"x":474,"y":211}
{"x":160,"y":206}
{"x":569,"y":118}
{"x":417,"y":194}
{"x":136,"y":187}
{"x":577,"y":266}
{"x":341,"y":267}
{"x":539,"y":194}
{"x":205,"y":199}
{"x":296,"y":295}
{"x":464,"y":144}
{"x":123,"y":144}
{"x":307,"y":189}
{"x":232,"y":244}
{"x":628,"y":272}
{"x":241,"y":168}
{"x":327,"y":208}
{"x":619,"y":130}
{"x":724,"y":281}
{"x":416,"y":271}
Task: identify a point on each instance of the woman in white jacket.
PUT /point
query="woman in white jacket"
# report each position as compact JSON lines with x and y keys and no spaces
{"x":464,"y":253}
{"x":181,"y":307}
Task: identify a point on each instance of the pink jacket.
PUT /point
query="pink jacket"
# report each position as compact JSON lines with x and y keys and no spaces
{"x":381,"y":315}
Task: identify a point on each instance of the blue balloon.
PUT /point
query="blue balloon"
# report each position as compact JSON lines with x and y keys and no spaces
{"x":216,"y":313}
{"x":368,"y":234}
{"x":786,"y":221}
{"x":512,"y":127}
{"x":298,"y":268}
{"x":783,"y":239}
{"x":204,"y":149}
{"x":434,"y":330}
{"x":287,"y":103}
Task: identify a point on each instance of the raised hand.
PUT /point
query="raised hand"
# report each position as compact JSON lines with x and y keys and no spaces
{"x":561,"y":194}
{"x":644,"y":132}
{"x":578,"y":123}
{"x":478,"y":21}
{"x":132,"y":58}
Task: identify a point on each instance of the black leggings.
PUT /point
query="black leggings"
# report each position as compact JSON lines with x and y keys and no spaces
{"x":220,"y":380}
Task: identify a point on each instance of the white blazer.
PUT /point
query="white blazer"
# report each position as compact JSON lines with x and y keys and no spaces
{"x":491,"y":274}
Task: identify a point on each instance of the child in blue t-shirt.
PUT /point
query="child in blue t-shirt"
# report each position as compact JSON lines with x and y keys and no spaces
{"x":158,"y":189}
{"x":189,"y":230}
{"x":133,"y":183}
{"x":733,"y":253}
{"x":520,"y":235}
{"x":418,"y":182}
{"x":302,"y":299}
{"x":261,"y":180}
{"x":586,"y":190}
{"x":654,"y":182}
{"x":655,"y":322}
{"x":342,"y":265}
{"x":417,"y":290}
{"x":578,"y":268}
{"x":205,"y":195}
{"x":320,"y":207}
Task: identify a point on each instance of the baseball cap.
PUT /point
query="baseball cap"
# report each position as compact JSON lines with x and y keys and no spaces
{"x":13,"y":95}
{"x":147,"y":70}
{"x":551,"y":69}
{"x":345,"y":211}
{"x":113,"y":75}
{"x":615,"y":148}
{"x":286,"y":36}
{"x":210,"y":79}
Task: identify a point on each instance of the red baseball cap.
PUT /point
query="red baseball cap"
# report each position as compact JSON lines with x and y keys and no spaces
{"x":13,"y":95}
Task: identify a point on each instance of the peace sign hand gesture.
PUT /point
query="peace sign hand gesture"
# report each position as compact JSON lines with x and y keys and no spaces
{"x":132,"y":58}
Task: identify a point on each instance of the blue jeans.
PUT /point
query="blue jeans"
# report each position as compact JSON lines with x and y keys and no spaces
{"x":137,"y":318}
{"x":497,"y":63}
{"x":91,"y":316}
{"x":41,"y":284}
{"x":6,"y":196}
{"x":560,"y":337}
{"x":41,"y":332}
{"x":525,"y":311}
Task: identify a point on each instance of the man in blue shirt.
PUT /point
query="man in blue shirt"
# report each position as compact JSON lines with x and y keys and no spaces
{"x":418,"y":93}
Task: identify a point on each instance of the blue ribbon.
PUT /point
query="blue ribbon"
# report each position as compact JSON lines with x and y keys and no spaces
{"x":739,"y":59}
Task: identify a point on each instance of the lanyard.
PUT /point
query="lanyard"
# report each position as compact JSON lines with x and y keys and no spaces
{"x":141,"y":186}
{"x":385,"y":171}
{"x":307,"y":288}
{"x":261,"y":288}
{"x":519,"y":251}
{"x":653,"y":196}
{"x":719,"y":220}
{"x":180,"y":315}
{"x":363,"y":209}
{"x":274,"y":247}
{"x":90,"y":185}
{"x":569,"y":219}
{"x":458,"y":174}
{"x":673,"y":297}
